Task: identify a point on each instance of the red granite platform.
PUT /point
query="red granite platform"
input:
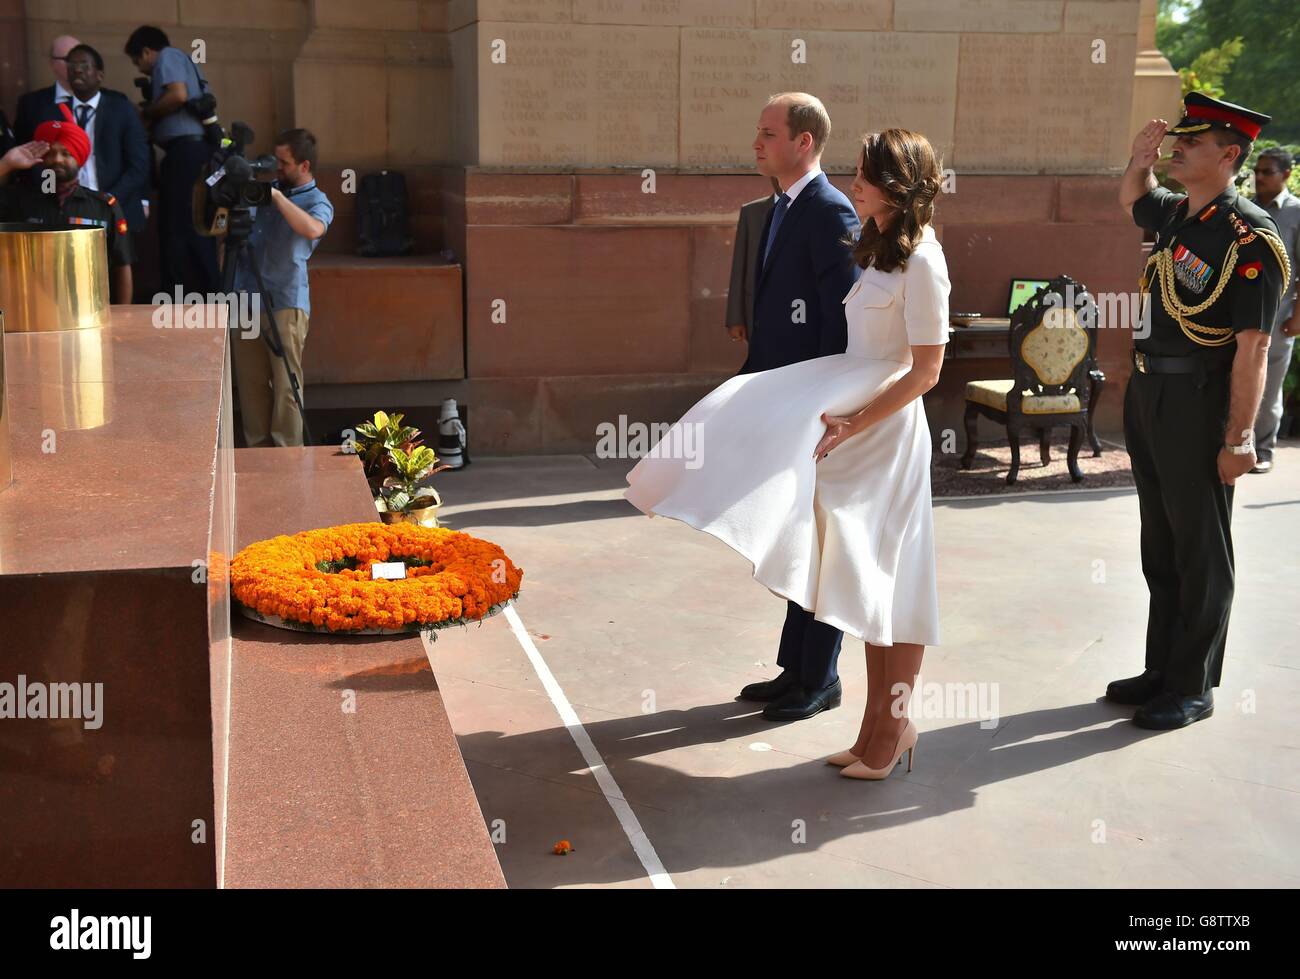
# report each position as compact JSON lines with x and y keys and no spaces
{"x":319,"y":796}
{"x":120,"y":496}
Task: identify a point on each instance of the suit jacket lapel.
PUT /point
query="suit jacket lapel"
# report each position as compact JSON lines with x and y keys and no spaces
{"x":762,"y":240}
{"x":792,"y":215}
{"x":95,"y":141}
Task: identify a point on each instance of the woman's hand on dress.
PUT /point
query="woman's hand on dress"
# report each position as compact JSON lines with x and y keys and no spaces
{"x":838,"y":428}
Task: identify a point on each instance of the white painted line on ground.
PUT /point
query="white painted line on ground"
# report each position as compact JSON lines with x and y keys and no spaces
{"x":645,"y":851}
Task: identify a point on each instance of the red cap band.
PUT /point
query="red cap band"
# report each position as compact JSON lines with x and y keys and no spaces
{"x":1248,"y":128}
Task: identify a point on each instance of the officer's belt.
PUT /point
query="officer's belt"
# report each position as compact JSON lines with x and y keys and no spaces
{"x":1148,"y":364}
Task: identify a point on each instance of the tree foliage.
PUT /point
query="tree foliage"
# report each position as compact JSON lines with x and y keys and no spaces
{"x":1265,"y":75}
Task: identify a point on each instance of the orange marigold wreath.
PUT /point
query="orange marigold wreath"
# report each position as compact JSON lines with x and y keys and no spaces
{"x":321,"y":578}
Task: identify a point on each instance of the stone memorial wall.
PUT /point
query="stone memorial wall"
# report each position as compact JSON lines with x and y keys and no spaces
{"x":524,"y":128}
{"x":1000,"y":86}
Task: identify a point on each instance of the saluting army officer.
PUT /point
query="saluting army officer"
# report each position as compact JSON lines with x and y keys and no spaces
{"x":62,"y":148}
{"x":1214,"y":280}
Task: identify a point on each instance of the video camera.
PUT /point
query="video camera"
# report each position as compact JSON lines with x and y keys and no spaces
{"x":202,"y":107}
{"x":229,"y":183}
{"x":227,"y":190}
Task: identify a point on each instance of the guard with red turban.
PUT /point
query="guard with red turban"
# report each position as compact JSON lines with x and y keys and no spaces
{"x":75,"y":139}
{"x":53,"y":198}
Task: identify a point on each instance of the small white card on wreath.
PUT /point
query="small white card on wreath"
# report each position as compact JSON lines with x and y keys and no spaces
{"x":388,"y":570}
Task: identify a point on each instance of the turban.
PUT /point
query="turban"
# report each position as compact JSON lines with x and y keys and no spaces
{"x":68,"y":133}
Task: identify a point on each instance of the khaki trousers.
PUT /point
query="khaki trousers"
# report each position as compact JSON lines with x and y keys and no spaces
{"x":267,"y":410}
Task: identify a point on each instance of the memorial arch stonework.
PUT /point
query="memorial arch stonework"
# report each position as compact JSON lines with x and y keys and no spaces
{"x":526,"y":129}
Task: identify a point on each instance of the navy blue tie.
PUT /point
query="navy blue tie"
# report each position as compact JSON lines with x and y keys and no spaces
{"x":782,"y":205}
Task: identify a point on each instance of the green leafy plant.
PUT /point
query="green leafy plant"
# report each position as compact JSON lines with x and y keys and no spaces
{"x":1265,"y":78}
{"x":376,"y":439}
{"x":1208,"y":69}
{"x":401,"y":492}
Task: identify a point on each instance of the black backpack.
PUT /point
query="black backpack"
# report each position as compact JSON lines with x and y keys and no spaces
{"x":382,"y":215}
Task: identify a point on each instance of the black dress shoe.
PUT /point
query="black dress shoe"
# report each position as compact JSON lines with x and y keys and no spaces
{"x":770,"y":689}
{"x":1167,"y":711}
{"x":799,"y":704}
{"x":1136,"y":689}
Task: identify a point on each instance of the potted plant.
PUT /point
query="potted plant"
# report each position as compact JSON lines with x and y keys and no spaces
{"x":375,"y":441}
{"x":401,"y":497}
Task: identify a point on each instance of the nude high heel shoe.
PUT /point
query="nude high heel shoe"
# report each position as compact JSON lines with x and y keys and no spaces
{"x":843,"y":758}
{"x":906,"y":742}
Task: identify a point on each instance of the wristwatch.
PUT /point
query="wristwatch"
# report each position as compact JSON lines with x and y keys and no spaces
{"x":1247,"y":446}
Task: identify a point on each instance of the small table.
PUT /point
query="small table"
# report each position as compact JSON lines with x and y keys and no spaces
{"x":982,"y":338}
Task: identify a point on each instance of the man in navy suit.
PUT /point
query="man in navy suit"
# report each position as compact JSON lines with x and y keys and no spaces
{"x":804,"y":270}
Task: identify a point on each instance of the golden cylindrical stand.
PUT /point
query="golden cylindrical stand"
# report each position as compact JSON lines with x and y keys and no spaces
{"x":53,"y":280}
{"x":57,"y":281}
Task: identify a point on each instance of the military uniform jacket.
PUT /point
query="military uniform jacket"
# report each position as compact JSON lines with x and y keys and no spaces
{"x":1211,"y":274}
{"x":82,"y":208}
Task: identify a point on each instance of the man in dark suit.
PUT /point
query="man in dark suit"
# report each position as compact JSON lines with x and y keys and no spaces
{"x":7,"y":140}
{"x":744,"y":261}
{"x":803,"y":270}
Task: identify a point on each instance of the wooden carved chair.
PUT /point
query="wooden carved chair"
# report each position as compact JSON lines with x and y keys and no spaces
{"x":1053,"y":344}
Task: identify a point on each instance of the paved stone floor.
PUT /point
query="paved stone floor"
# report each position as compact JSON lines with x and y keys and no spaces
{"x":649,"y":628}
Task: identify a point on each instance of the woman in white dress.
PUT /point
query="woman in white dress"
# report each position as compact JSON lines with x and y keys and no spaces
{"x":819,"y":472}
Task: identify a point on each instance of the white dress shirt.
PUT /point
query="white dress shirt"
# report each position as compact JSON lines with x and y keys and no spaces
{"x":87,"y":176}
{"x":801,"y":183}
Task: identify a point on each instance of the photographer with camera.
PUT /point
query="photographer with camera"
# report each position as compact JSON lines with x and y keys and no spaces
{"x":283,"y":237}
{"x":176,"y":93}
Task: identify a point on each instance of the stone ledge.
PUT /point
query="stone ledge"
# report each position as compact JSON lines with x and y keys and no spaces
{"x":320,"y":797}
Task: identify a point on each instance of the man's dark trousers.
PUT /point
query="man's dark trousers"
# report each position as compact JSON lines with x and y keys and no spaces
{"x":1173,"y":426}
{"x":807,"y":261}
{"x":809,"y":648}
{"x":185,"y":257}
